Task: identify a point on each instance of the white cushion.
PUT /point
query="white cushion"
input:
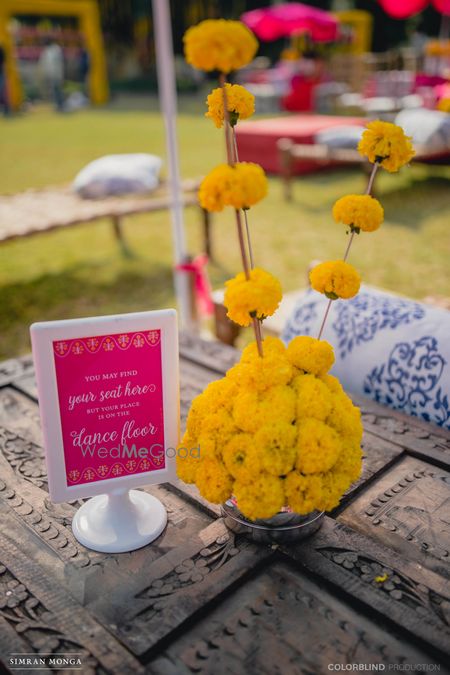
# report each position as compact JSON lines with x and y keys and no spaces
{"x":430,"y":129}
{"x":345,"y":136}
{"x":118,"y":175}
{"x":389,"y":348}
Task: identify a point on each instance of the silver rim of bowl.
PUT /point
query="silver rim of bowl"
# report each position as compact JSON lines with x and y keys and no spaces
{"x":248,"y":523}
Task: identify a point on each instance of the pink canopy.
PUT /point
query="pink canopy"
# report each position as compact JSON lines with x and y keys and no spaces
{"x":402,"y":9}
{"x":442,"y":6}
{"x":271,"y":23}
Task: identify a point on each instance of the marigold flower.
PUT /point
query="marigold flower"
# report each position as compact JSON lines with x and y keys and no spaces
{"x":311,"y":355}
{"x":245,"y":410}
{"x":241,"y":457}
{"x":359,"y":212}
{"x":289,"y":437}
{"x":218,"y":424}
{"x":250,"y":185}
{"x":262,"y":497}
{"x":213,"y":481}
{"x":334,"y":484}
{"x":318,"y":447}
{"x":335,"y":279}
{"x":303,"y":493}
{"x":271,"y":346}
{"x":187,"y":460}
{"x":257,"y":297}
{"x":333,"y":384}
{"x":220,"y":394}
{"x":241,"y":186}
{"x":350,"y":461}
{"x":215,"y":189}
{"x":218,"y":44}
{"x":313,"y":398}
{"x":259,"y":374}
{"x":276,"y":447}
{"x":386,"y":143}
{"x":240,"y":104}
{"x":345,"y":417}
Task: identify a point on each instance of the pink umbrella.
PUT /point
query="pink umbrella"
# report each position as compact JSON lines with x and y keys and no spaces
{"x":403,"y":9}
{"x":442,"y":6}
{"x":271,"y":23}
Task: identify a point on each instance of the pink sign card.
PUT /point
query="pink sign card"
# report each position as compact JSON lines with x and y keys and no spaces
{"x":111,"y":405}
{"x":109,"y":401}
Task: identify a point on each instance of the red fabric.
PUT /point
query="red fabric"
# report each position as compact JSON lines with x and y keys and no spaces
{"x":201,"y":283}
{"x":257,"y":141}
{"x":271,"y":23}
{"x":402,"y":9}
{"x":301,"y":96}
{"x":442,"y":6}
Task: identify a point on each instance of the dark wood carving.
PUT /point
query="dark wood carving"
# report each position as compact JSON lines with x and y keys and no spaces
{"x":201,"y":599}
{"x":25,"y":457}
{"x":49,"y":621}
{"x":216,"y":356}
{"x":14,"y":369}
{"x":408,"y":509}
{"x":177,"y":586}
{"x":283,"y":623}
{"x":422,"y":440}
{"x":416,"y":598}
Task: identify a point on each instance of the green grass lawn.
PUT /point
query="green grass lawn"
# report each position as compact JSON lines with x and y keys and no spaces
{"x":81,"y":271}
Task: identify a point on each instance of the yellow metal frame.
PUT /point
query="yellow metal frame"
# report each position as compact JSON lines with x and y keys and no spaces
{"x":86,"y":11}
{"x":361,"y":22}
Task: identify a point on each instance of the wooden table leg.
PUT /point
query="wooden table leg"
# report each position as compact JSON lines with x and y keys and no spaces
{"x":285,"y":146}
{"x":118,"y":233}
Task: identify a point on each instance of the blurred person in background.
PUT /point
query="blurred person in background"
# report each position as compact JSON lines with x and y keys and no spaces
{"x":51,"y":65}
{"x":84,"y":67}
{"x":4,"y":102}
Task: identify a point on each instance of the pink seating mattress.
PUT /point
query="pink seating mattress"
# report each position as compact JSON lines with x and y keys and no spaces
{"x":257,"y":141}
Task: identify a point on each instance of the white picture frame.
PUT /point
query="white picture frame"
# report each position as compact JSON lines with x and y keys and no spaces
{"x":43,"y":336}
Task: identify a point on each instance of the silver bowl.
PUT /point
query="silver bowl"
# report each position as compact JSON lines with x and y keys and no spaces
{"x":284,"y":527}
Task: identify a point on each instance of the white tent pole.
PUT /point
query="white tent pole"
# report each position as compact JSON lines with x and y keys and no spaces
{"x":168,"y":103}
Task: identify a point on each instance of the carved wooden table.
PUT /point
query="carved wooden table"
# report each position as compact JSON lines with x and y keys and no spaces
{"x":201,"y":600}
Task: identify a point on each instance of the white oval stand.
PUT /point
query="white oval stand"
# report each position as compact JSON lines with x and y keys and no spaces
{"x":120,"y":521}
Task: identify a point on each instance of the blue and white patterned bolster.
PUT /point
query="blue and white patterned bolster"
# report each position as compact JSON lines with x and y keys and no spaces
{"x":388,"y":348}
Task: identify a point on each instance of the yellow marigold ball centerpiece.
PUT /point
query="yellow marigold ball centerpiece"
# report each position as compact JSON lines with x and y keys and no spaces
{"x":276,"y":433}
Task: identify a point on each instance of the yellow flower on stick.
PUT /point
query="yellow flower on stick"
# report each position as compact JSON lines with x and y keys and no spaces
{"x":335,"y":279}
{"x":215,"y":189}
{"x":387,"y":144}
{"x":256,"y":297}
{"x":218,"y":44}
{"x":240,"y":104}
{"x":242,"y":185}
{"x":359,"y":212}
{"x":250,"y":185}
{"x":277,"y":432}
{"x":310,"y":355}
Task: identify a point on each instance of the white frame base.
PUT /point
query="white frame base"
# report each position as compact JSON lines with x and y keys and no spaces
{"x":120,"y":521}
